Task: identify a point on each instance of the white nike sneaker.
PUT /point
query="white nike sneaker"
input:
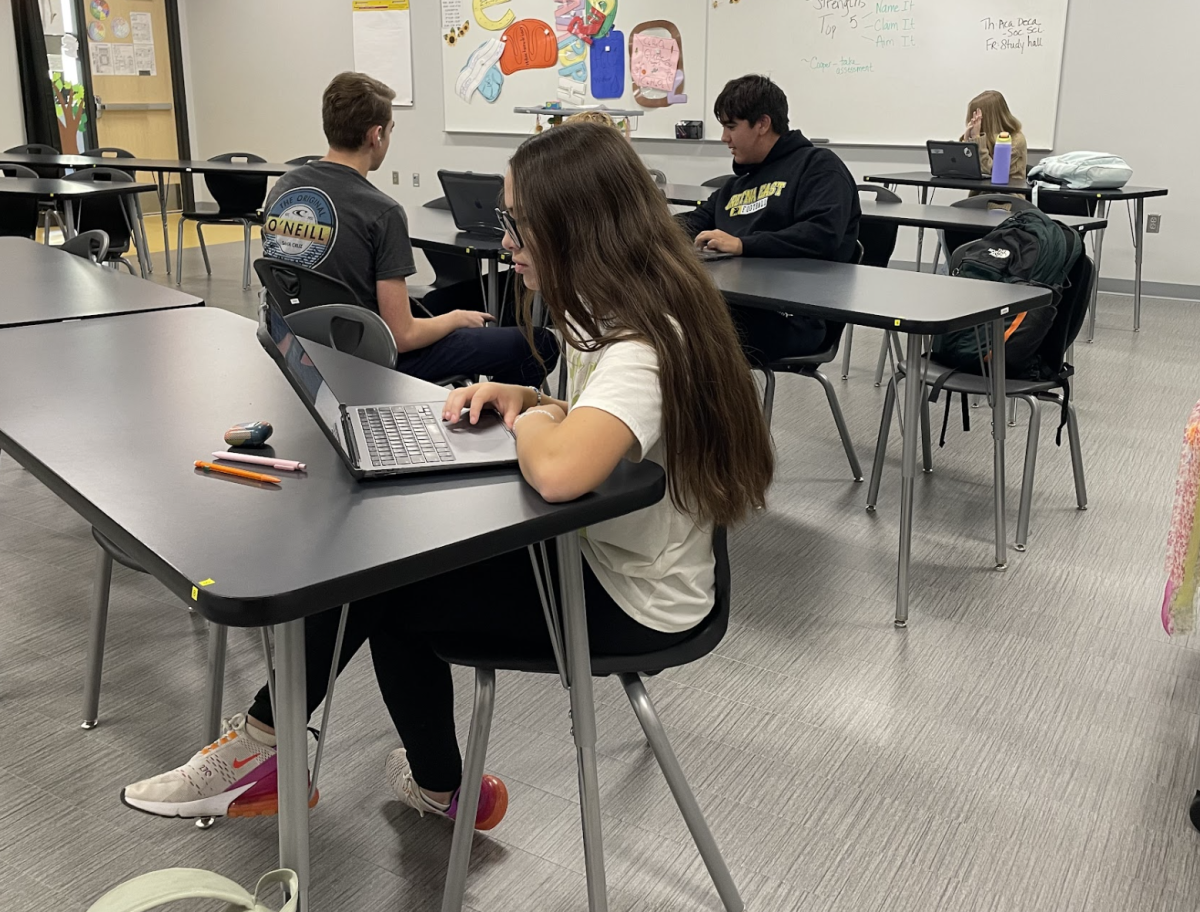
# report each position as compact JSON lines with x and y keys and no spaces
{"x":235,"y":776}
{"x":493,"y":794}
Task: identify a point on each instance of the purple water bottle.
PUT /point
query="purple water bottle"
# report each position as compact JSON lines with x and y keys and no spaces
{"x":1002,"y":159}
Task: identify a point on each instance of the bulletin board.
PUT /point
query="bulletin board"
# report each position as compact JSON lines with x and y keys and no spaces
{"x":646,"y":55}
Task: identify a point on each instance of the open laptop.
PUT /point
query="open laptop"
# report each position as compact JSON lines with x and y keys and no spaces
{"x":473,"y":199}
{"x":954,"y":159}
{"x":377,"y":441}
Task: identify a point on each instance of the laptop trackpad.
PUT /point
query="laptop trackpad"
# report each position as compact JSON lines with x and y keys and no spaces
{"x":486,"y":440}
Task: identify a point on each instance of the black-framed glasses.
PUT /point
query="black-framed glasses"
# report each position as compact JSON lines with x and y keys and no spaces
{"x":509,"y":224}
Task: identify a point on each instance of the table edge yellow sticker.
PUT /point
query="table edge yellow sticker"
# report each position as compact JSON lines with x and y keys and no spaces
{"x":196,"y":591}
{"x":897,"y":322}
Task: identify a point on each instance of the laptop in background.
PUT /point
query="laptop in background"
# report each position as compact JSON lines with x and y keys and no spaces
{"x":954,"y":159}
{"x":379,"y":441}
{"x":473,"y":199}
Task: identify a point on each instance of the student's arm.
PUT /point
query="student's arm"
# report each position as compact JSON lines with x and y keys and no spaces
{"x":824,"y":208}
{"x":1020,"y":158}
{"x":410,"y":332}
{"x":393,"y":264}
{"x":985,"y":154}
{"x":702,"y":218}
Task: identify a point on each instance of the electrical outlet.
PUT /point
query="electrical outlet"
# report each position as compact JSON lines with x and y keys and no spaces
{"x":395,"y":177}
{"x":1153,"y":224}
{"x":416,"y":179}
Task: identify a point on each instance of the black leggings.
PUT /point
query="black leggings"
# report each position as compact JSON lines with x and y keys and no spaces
{"x":416,"y":685}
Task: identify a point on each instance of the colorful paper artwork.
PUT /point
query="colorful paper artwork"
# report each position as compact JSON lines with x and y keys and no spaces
{"x":608,"y":66}
{"x":492,"y":25}
{"x":120,"y":27}
{"x":654,"y":61}
{"x":99,"y":9}
{"x":98,"y":31}
{"x":529,"y":44}
{"x":474,"y":73}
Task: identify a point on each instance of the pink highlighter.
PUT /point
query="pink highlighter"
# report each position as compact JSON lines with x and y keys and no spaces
{"x":282,"y":465}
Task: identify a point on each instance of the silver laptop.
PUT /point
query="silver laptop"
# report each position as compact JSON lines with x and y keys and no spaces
{"x":954,"y":159}
{"x":377,"y":441}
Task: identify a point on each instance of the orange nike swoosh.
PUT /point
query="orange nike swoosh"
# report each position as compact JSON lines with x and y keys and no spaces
{"x":238,"y":764}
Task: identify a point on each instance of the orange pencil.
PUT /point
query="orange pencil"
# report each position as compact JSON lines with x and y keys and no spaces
{"x":239,"y":473}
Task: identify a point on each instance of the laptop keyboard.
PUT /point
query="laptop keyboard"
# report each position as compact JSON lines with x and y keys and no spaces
{"x":403,"y":435}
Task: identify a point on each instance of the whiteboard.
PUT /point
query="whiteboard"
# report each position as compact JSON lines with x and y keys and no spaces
{"x":898,"y":72}
{"x":493,"y":36}
{"x":383,"y":44}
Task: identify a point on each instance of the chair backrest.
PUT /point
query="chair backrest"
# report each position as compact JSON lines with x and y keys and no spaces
{"x":952,"y":240}
{"x":660,"y":177}
{"x":294,"y":288}
{"x":91,"y":245}
{"x":1072,"y":310}
{"x":303,"y":159}
{"x":110,"y":153}
{"x":106,"y":213}
{"x":237,"y":194}
{"x":18,"y":214}
{"x":718,"y":182}
{"x":347,"y":328}
{"x":39,"y":149}
{"x":878,"y":239}
{"x":881,"y":193}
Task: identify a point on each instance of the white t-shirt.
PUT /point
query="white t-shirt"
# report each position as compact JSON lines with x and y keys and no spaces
{"x":657,"y":563}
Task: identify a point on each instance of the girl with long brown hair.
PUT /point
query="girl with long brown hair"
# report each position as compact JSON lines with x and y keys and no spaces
{"x":655,"y":372}
{"x":988,"y":116}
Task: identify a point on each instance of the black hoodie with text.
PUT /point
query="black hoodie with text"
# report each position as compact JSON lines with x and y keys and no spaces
{"x":800,"y":201}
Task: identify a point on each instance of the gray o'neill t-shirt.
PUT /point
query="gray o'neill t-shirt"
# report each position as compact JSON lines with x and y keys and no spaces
{"x":330,"y":218}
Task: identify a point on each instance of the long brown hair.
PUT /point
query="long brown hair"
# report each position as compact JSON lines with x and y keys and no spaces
{"x":600,"y":233}
{"x":997,"y":118}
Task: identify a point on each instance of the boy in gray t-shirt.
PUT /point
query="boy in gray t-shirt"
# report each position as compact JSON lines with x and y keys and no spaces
{"x":327,"y":216}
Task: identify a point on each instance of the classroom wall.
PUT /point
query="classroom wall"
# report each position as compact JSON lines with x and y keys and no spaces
{"x":257,"y":71}
{"x":12,"y":122}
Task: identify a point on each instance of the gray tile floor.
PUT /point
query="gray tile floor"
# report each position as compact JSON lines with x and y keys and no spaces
{"x":1025,"y":744}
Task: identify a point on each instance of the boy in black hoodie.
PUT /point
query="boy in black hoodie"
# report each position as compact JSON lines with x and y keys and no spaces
{"x":787,"y":198}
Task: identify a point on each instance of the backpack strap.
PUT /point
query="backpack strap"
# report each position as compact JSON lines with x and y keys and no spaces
{"x":157,"y":888}
{"x":1064,"y":377}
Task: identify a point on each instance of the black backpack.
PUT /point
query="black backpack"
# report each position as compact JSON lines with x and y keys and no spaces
{"x":1028,"y":248}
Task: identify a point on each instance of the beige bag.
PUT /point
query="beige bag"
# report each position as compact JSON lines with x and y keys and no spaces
{"x":150,"y":891}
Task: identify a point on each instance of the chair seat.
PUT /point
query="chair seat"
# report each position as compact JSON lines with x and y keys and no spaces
{"x":115,"y":552}
{"x":978,"y":385}
{"x":486,"y":652}
{"x":209,"y":213}
{"x":804,"y":362}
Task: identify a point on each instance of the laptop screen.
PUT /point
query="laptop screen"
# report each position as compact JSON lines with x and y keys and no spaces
{"x":305,"y":377}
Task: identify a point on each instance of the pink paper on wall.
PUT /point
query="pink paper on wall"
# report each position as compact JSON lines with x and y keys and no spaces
{"x":653,"y":61}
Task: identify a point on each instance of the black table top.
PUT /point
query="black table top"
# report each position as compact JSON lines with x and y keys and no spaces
{"x":45,"y":285}
{"x":434,"y":229}
{"x":46,"y":188}
{"x":925,"y":179}
{"x":918,"y":302}
{"x":181,"y":166}
{"x":111,"y":414}
{"x":959,"y":218}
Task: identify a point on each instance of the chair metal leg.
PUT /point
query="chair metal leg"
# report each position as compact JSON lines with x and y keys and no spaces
{"x":885,"y":427}
{"x":1031,"y":447}
{"x":692,"y":815}
{"x":768,"y":394}
{"x":128,"y":265}
{"x":141,"y":220}
{"x":1076,"y":457}
{"x":882,"y":362}
{"x":214,"y":685}
{"x":1012,"y":412}
{"x":95,"y":656}
{"x":246,"y":258}
{"x":46,"y":227}
{"x":926,"y":443}
{"x":179,"y":254}
{"x":468,"y":793}
{"x":203,"y":248}
{"x":840,"y":420}
{"x":848,"y":341}
{"x":937,"y":254}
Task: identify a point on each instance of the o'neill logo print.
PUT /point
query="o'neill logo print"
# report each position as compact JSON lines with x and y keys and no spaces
{"x":300,"y":227}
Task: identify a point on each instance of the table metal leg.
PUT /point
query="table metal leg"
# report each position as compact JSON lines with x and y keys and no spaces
{"x":163,"y":186}
{"x":69,"y":220}
{"x":493,"y":288}
{"x":1139,"y":208}
{"x":910,"y":434}
{"x":291,"y":735}
{"x":583,"y":714}
{"x":214,"y":686}
{"x":1101,"y":212}
{"x":135,"y":229}
{"x":924,"y":191}
{"x":999,"y":431}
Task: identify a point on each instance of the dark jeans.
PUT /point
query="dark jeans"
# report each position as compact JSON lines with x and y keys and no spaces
{"x":497,"y":597}
{"x":768,"y":335}
{"x":500,"y":352}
